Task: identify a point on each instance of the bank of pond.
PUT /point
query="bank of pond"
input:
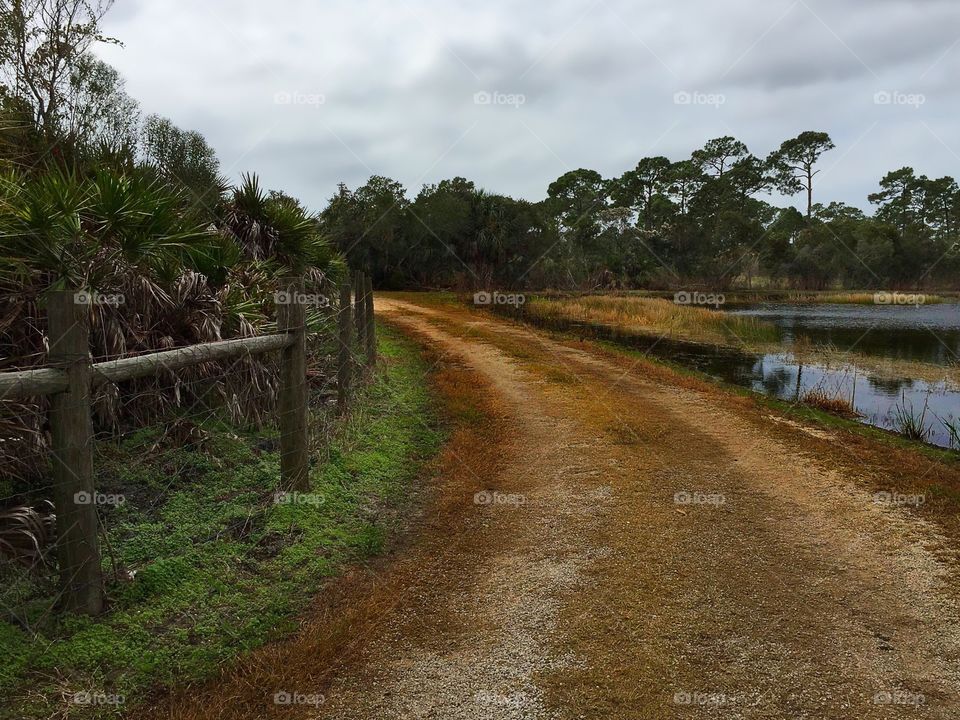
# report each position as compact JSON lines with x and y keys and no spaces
{"x":923,"y":409}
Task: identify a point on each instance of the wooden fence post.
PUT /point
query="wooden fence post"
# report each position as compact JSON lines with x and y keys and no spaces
{"x":71,"y":430}
{"x":294,"y":451}
{"x":345,"y":360}
{"x":370,"y":335}
{"x":359,"y":314}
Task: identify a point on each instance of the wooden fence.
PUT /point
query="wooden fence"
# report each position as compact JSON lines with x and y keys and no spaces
{"x":72,"y":376}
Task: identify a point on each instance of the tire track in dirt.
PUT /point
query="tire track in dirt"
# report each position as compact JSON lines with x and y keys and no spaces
{"x":497,"y":633}
{"x":795,"y":597}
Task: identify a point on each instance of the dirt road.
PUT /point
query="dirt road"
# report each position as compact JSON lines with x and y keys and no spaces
{"x":656,"y":556}
{"x":604,"y":544}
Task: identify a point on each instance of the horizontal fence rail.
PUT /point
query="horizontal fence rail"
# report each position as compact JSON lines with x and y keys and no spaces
{"x":179,"y":358}
{"x":31,"y":383}
{"x":49,"y":381}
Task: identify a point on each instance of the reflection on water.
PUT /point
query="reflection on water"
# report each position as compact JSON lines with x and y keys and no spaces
{"x":928,"y":333}
{"x":876,"y":399}
{"x":925,"y":333}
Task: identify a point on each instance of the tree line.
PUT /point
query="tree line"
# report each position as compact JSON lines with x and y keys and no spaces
{"x":699,"y":220}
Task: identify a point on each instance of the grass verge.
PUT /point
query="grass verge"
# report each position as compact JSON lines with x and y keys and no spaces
{"x":631,"y":314}
{"x":218,"y":567}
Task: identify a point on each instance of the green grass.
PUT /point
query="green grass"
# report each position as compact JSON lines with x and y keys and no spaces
{"x":220,"y":568}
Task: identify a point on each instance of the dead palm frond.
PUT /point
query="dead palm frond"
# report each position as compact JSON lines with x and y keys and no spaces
{"x":26,"y":532}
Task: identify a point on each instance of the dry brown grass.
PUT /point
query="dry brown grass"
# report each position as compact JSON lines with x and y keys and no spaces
{"x":656,"y":316}
{"x":852,"y":298}
{"x":822,"y":400}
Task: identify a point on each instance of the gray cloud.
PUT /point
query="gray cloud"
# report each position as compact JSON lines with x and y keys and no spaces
{"x":598,"y":81}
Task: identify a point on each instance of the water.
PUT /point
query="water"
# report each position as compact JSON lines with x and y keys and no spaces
{"x":927,"y":333}
{"x":880,"y":401}
{"x":895,"y":332}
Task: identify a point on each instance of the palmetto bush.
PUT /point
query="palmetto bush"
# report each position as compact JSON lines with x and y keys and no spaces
{"x":183,"y":279}
{"x":276,"y":227}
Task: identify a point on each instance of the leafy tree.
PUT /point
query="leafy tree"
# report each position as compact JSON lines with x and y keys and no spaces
{"x":875,"y":254}
{"x":574,"y":202}
{"x":369,"y":226}
{"x":817,"y":259}
{"x":99,"y":116}
{"x":747,"y":177}
{"x":836,"y":211}
{"x":938,"y":204}
{"x":444,"y":226}
{"x":776,"y":251}
{"x":686,"y":179}
{"x":578,"y":195}
{"x":896,"y":197}
{"x":41,"y":44}
{"x":718,"y":154}
{"x":641,"y":187}
{"x":794,"y":163}
{"x":185,"y":159}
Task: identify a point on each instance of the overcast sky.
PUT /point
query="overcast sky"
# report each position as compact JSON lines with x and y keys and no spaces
{"x":511,"y":95}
